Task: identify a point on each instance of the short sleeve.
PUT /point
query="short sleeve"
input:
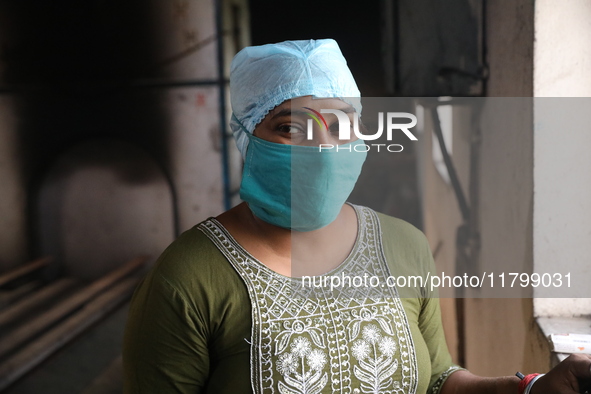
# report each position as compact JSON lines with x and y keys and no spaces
{"x":188,"y":324}
{"x":431,"y":327}
{"x":165,"y":342}
{"x":408,"y":254}
{"x":432,"y":330}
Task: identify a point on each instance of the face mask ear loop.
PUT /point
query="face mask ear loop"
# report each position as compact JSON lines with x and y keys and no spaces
{"x":241,"y":136}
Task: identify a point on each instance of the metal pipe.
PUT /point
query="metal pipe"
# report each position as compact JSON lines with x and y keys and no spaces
{"x":129,"y":84}
{"x":222,"y":103}
{"x":451,"y":170}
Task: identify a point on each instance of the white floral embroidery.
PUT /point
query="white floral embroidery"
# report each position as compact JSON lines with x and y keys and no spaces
{"x":298,"y":327}
{"x":376,"y":364}
{"x":371,"y":334}
{"x":360,"y":349}
{"x":301,"y":346}
{"x":316,"y":359}
{"x":287,"y":363}
{"x":387,"y":346}
{"x":298,"y":379}
{"x":365,"y":315}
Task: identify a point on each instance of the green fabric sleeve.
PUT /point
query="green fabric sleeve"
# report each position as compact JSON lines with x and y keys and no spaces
{"x":408,"y":253}
{"x":187,"y":324}
{"x":165,"y":345}
{"x":431,"y":327}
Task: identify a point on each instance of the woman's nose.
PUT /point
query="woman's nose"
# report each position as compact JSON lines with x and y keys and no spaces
{"x":321,"y":135}
{"x":324,"y":136}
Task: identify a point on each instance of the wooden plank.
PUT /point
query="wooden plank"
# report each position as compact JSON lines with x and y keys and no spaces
{"x":41,"y":348}
{"x":8,"y":297}
{"x":25,"y":269}
{"x":22,"y":307}
{"x":18,"y":336}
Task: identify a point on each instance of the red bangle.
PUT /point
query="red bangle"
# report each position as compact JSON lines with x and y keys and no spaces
{"x":524,"y":382}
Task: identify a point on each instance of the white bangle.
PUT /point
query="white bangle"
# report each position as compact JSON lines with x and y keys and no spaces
{"x":530,"y":384}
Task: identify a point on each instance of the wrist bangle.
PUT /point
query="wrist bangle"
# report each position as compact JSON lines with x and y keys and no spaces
{"x":531,"y":383}
{"x":527,"y":382}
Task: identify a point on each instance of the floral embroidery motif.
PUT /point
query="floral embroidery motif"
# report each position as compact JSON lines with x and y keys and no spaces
{"x":310,"y":381}
{"x":366,"y":315}
{"x":376,"y":364}
{"x":317,"y":340}
{"x":298,"y":327}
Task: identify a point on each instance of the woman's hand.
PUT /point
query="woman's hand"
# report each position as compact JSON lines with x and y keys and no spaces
{"x":572,"y":376}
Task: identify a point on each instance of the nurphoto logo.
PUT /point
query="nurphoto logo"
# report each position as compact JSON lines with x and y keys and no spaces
{"x":392,"y":124}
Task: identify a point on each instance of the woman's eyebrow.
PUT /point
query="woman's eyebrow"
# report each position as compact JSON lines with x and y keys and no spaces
{"x":294,"y":112}
{"x":348,"y":109}
{"x":289,"y":112}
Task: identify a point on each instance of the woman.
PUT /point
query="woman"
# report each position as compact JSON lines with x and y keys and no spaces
{"x":225,"y":308}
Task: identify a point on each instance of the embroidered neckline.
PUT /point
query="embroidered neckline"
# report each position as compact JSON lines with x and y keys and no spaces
{"x":334,"y":271}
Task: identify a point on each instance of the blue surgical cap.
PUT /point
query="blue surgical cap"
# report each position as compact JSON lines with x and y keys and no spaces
{"x":262,"y":77}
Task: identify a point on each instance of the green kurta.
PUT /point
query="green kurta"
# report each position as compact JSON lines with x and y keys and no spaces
{"x":210,"y":318}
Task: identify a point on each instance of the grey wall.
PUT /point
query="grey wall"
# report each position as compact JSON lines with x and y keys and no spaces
{"x":13,"y":199}
{"x":145,"y":76}
{"x":102,"y":204}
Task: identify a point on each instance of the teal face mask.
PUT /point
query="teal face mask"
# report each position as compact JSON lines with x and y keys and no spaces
{"x":299,"y":187}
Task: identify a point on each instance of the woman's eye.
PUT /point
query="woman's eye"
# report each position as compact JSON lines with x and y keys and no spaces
{"x":289,"y":129}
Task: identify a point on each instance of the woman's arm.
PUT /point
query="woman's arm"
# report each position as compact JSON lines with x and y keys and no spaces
{"x":461,"y":382}
{"x":572,"y":376}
